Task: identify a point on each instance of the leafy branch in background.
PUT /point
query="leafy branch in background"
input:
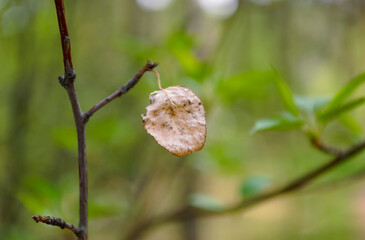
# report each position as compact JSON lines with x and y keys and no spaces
{"x":309,"y":115}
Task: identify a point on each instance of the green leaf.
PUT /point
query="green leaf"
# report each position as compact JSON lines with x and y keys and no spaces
{"x":335,"y":112}
{"x":310,"y":105}
{"x":286,"y":121}
{"x":285,"y":94}
{"x":345,"y":92}
{"x":254,"y":185}
{"x":351,"y":124}
{"x":205,"y":202}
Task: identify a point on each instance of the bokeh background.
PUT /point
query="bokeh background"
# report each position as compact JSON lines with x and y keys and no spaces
{"x":224,"y":51}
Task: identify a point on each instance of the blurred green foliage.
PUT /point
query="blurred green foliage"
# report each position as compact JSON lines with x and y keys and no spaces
{"x":254,"y":185}
{"x":316,"y":47}
{"x":205,"y":202}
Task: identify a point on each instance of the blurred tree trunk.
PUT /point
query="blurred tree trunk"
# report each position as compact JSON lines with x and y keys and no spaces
{"x":190,"y":226}
{"x":17,"y":132}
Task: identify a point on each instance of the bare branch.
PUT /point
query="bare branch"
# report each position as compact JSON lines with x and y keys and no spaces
{"x":189,"y":212}
{"x":121,"y":91}
{"x":59,"y":223}
{"x":65,"y":40}
{"x":68,"y":83}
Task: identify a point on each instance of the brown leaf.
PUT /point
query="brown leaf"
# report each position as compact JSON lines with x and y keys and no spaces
{"x":176,"y":119}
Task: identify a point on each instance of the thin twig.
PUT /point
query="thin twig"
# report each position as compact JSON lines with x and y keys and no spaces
{"x":121,"y":91}
{"x":59,"y":223}
{"x":346,"y":180}
{"x":325,"y":148}
{"x":65,"y":39}
{"x":189,"y":212}
{"x":82,"y":161}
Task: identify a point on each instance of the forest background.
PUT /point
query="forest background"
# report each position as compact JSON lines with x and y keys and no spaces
{"x":225,"y":54}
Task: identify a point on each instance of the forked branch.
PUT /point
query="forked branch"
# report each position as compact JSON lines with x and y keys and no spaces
{"x":68,"y":82}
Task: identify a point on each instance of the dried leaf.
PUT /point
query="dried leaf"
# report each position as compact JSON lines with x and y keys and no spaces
{"x":176,"y":119}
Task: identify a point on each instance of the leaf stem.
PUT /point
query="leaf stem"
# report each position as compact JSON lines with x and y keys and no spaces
{"x":158,"y":79}
{"x":162,"y":89}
